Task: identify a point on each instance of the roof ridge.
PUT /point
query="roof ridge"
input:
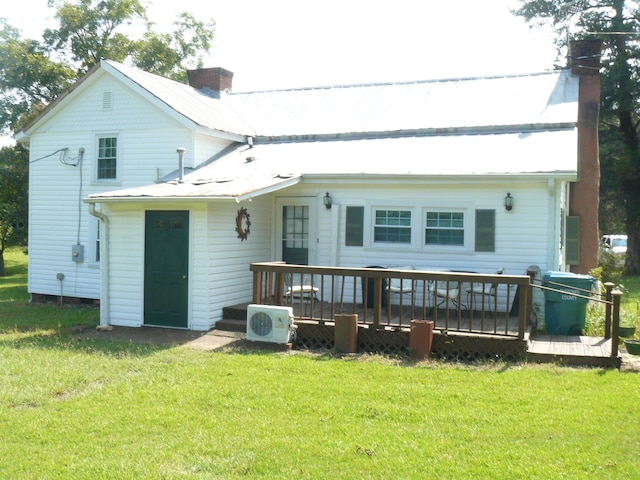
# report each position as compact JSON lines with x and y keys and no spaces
{"x":401,"y":82}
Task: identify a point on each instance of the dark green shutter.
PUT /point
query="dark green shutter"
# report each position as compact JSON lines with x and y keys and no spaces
{"x":485,"y":230}
{"x":572,"y":248}
{"x":354,"y":229}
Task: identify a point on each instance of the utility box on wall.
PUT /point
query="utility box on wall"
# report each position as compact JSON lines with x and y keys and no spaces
{"x":77,"y":253}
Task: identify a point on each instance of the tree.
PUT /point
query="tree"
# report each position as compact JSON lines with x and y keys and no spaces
{"x":616,"y":23}
{"x":29,"y":78}
{"x":14,"y":171}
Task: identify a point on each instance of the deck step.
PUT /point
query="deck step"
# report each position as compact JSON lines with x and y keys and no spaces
{"x":234,"y":318}
{"x":235,"y":312}
{"x":231,"y":325}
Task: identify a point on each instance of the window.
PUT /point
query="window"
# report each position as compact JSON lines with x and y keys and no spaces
{"x":392,"y":226}
{"x":97,"y":245}
{"x":107,"y":155}
{"x":445,"y":228}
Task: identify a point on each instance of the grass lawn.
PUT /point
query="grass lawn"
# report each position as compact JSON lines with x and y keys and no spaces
{"x":78,"y":409}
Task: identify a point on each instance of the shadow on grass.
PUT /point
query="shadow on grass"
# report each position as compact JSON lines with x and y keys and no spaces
{"x":65,"y":341}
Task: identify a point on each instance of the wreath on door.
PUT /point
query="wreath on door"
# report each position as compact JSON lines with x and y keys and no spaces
{"x":243,"y":224}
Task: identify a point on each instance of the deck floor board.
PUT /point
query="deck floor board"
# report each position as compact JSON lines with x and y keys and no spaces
{"x":572,"y":349}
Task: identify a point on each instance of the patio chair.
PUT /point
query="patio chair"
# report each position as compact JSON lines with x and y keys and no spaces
{"x":400,"y":286}
{"x":448,"y":292}
{"x":481,"y":290}
{"x":304,"y":291}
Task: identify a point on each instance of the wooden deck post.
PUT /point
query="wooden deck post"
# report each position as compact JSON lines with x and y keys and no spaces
{"x":257,"y":287}
{"x":531,"y":273}
{"x":377,"y":302}
{"x":607,"y":309}
{"x":616,"y":322}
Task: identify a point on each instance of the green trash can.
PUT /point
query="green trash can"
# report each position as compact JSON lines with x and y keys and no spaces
{"x":566,"y":314}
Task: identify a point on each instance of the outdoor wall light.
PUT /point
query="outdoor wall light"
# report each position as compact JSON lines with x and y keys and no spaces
{"x":327,"y":200}
{"x":508,"y":202}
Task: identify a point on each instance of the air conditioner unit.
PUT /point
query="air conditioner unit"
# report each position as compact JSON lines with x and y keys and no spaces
{"x":270,"y":323}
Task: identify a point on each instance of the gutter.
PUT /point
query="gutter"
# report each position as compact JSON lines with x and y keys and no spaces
{"x":104,"y":268}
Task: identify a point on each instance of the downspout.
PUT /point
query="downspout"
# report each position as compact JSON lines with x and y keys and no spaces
{"x":104,"y":268}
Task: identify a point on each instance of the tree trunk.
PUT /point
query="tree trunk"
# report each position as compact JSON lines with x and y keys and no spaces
{"x":3,"y":271}
{"x":632,"y":263}
{"x":630,"y":173}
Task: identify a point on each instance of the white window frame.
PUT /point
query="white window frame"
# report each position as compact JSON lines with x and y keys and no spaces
{"x":370,"y":223}
{"x":468,"y":212}
{"x":115,"y":180}
{"x":419,"y":225}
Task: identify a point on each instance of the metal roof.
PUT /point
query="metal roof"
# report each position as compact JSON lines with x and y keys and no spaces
{"x":535,"y":99}
{"x":522,"y":125}
{"x":540,"y":99}
{"x":264,"y":168}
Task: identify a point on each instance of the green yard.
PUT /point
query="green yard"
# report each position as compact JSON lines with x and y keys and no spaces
{"x":73,"y":408}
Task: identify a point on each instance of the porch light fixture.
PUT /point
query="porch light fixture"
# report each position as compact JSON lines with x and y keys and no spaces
{"x":508,"y":202}
{"x":327,"y":200}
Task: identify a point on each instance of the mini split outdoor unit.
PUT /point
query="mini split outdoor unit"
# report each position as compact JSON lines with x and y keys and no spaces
{"x":270,"y":323}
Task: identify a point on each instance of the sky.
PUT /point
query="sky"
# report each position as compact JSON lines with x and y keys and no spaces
{"x":276,"y":44}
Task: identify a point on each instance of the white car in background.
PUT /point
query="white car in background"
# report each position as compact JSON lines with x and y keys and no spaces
{"x":615,"y":243}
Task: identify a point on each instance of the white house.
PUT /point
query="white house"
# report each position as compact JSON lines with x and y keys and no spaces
{"x":154,"y":196}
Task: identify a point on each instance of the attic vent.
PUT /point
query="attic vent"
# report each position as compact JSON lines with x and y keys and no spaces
{"x":107,"y":100}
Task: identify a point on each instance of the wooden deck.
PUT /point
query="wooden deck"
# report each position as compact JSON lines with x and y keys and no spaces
{"x":572,"y":350}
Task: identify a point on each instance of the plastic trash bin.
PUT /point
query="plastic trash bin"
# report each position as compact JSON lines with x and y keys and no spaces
{"x":367,"y":289}
{"x":566,"y":314}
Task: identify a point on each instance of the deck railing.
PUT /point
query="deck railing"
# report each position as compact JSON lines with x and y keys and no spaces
{"x":482,"y":304}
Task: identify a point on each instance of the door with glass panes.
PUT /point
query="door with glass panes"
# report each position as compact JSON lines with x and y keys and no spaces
{"x":296,"y":228}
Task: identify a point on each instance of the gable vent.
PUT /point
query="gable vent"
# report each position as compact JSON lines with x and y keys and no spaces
{"x":107,"y":100}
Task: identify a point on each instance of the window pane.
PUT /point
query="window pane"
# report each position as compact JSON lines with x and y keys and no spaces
{"x":392,"y":226}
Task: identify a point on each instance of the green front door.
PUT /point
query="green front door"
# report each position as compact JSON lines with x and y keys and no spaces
{"x":166,"y":268}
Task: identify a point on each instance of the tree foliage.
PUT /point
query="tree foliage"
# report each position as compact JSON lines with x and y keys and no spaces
{"x":617,"y":24}
{"x":14,"y":171}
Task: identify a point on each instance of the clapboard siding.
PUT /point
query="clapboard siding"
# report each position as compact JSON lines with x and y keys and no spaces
{"x":230,"y":280}
{"x":147,"y":143}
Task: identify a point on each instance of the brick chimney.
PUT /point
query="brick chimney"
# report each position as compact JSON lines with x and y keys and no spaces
{"x":216,"y":79}
{"x":584,"y":196}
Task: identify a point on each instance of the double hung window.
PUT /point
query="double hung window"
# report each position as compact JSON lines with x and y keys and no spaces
{"x":444,"y":228}
{"x":392,"y":226}
{"x":107,"y":158}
